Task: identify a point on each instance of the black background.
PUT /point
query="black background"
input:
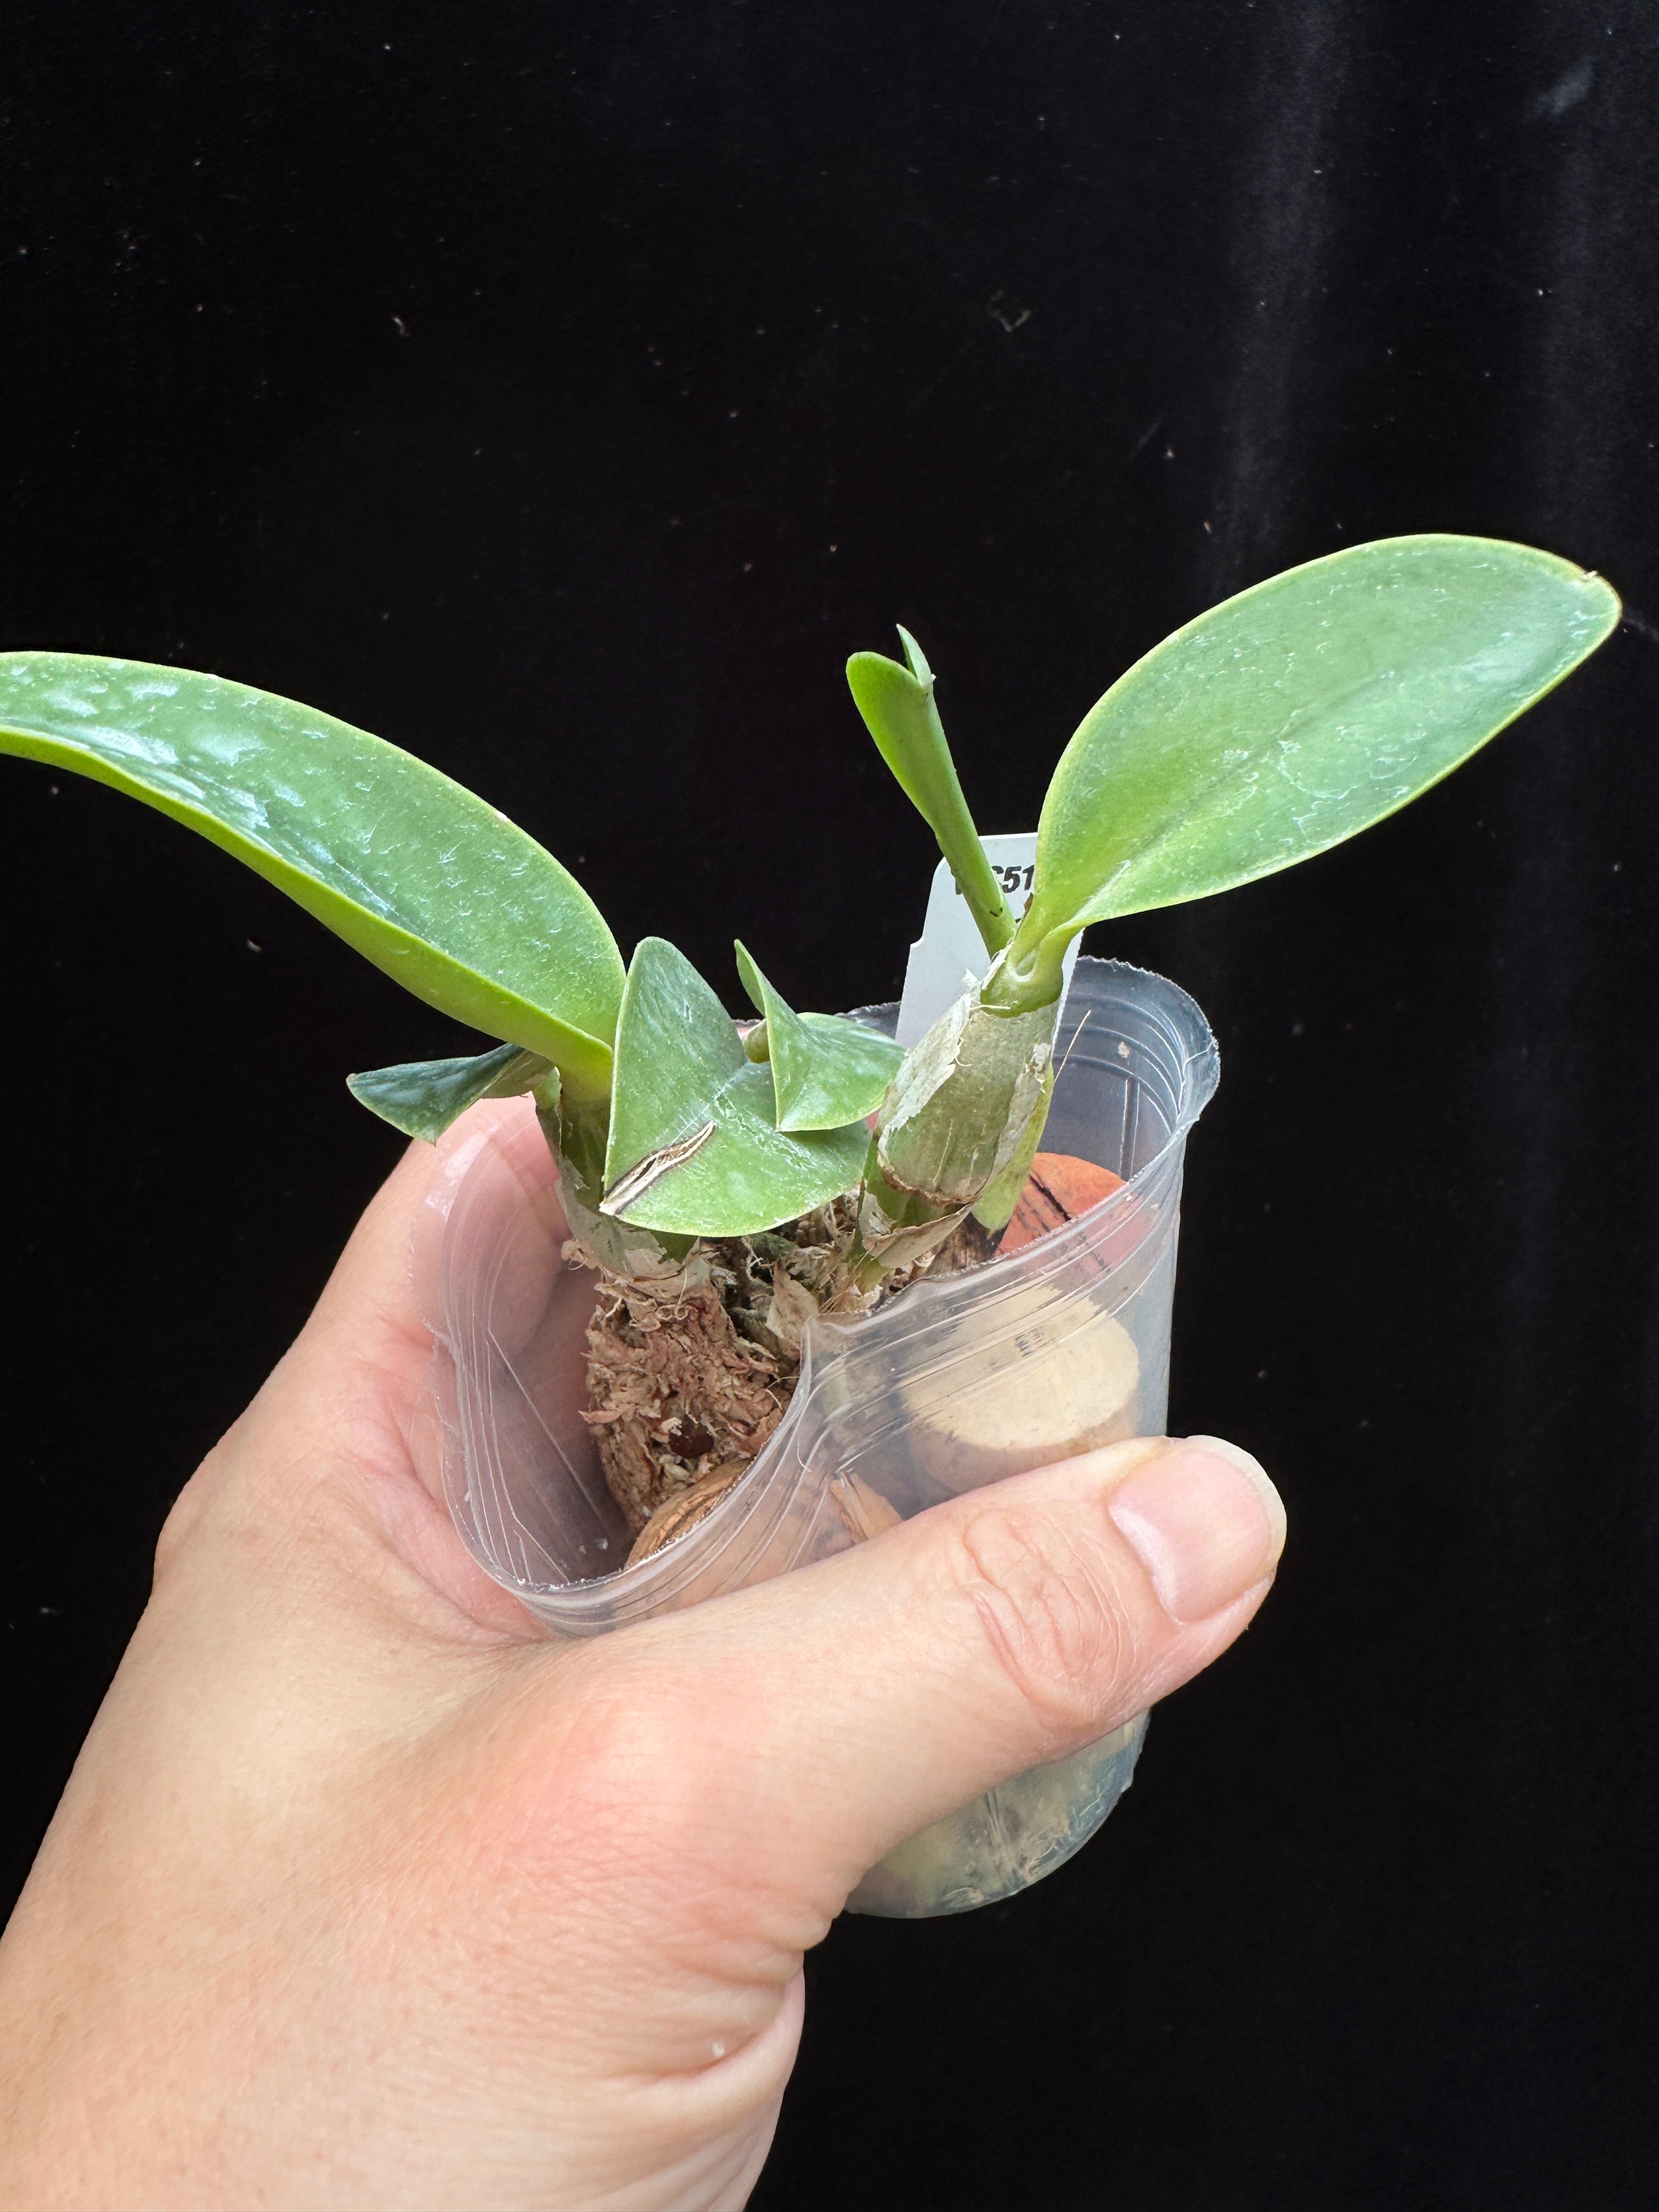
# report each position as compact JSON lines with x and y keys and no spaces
{"x":563,"y":391}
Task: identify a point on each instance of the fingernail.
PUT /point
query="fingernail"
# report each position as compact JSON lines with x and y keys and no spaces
{"x":1204,"y":1521}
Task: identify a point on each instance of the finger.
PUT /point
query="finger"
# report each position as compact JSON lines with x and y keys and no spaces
{"x":375,"y":1281}
{"x":843,"y":1708}
{"x":348,"y":1417}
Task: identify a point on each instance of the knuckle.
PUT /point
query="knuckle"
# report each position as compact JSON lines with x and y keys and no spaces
{"x":1050,"y":1615}
{"x":618,"y":1752}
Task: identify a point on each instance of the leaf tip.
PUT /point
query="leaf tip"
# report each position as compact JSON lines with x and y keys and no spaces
{"x":749,"y":975}
{"x":915,"y":658}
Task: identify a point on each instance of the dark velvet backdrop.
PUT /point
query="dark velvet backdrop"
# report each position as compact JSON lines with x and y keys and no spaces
{"x":563,"y":391}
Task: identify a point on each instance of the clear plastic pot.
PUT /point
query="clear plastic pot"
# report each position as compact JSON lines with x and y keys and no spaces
{"x":1062,"y":1347}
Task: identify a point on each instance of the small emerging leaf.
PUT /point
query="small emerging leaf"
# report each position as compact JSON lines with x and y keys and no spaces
{"x":680,"y":1065}
{"x":826,"y":1071}
{"x":899,"y":711}
{"x":411,"y":869}
{"x":422,"y":1097}
{"x":1287,"y":718}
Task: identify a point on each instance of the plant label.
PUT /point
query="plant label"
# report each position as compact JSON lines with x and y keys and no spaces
{"x":950,"y":955}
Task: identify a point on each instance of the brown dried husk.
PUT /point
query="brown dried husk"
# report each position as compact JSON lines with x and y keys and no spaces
{"x":691,"y":1364}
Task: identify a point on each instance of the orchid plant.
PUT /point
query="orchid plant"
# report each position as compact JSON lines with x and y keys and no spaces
{"x":801,"y":1160}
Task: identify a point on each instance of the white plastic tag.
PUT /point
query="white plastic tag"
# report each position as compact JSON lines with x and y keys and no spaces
{"x":950,"y":955}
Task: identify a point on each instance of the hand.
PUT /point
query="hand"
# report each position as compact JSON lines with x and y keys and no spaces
{"x":364,"y":1893}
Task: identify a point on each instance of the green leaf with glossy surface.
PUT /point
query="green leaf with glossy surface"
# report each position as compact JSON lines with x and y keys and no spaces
{"x":899,"y":711}
{"x":422,"y":1097}
{"x":826,"y":1071}
{"x":424,"y":879}
{"x":693,"y":1148}
{"x":1287,"y":718}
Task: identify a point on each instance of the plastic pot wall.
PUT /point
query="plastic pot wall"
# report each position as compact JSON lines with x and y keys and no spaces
{"x":1061,"y":1347}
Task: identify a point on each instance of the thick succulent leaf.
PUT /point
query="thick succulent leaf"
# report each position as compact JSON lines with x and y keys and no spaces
{"x":693,"y":1148}
{"x":1304,"y":710}
{"x":411,"y":869}
{"x":826,"y":1070}
{"x":899,"y":711}
{"x":422,"y":1097}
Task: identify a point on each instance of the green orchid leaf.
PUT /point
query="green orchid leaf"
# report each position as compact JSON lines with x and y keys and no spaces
{"x":422,"y":1097}
{"x":1287,"y":718}
{"x":693,"y":1148}
{"x":411,"y":870}
{"x":899,"y":711}
{"x":826,"y":1071}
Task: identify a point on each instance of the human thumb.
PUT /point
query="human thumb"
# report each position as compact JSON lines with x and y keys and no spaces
{"x":847,"y":1706}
